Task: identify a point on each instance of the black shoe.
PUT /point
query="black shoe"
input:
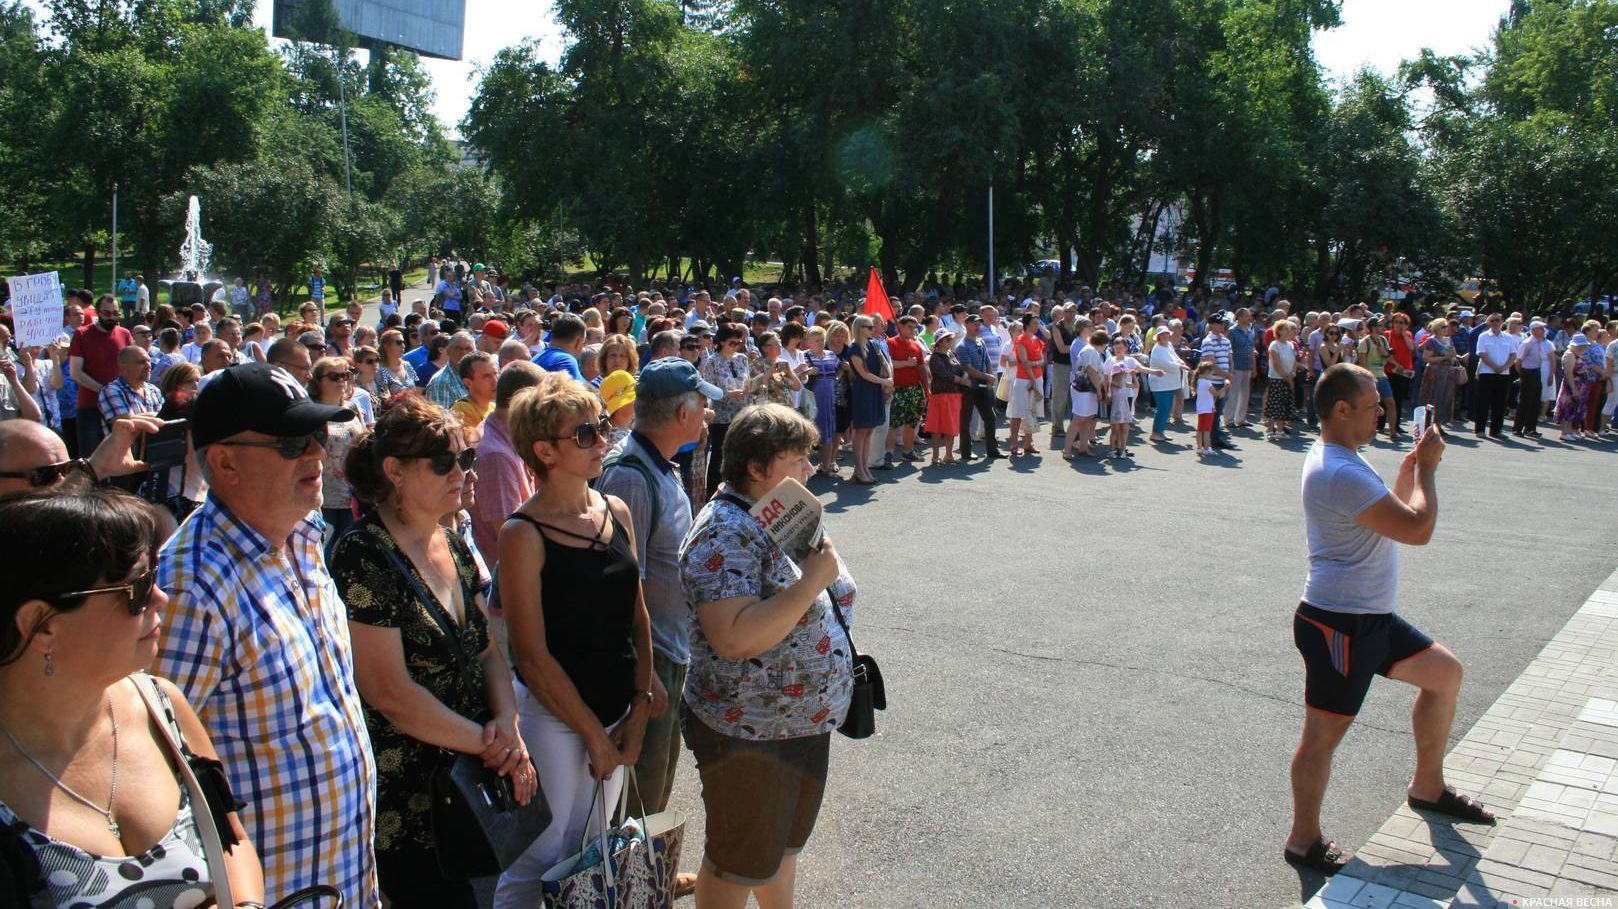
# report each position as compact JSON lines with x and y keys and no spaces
{"x":993,"y":456}
{"x":1496,"y":435}
{"x":967,"y":458}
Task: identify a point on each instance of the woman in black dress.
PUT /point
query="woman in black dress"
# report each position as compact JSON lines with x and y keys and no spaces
{"x":428,"y":676}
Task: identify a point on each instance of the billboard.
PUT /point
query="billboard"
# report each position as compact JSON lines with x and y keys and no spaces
{"x":432,"y":28}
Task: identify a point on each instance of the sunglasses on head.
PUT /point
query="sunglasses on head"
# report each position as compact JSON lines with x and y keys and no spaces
{"x":586,"y":435}
{"x":442,"y":462}
{"x":139,"y":590}
{"x":40,"y":477}
{"x":288,"y":447}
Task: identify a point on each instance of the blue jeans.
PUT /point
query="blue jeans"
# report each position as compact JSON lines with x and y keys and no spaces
{"x":1163,"y":404}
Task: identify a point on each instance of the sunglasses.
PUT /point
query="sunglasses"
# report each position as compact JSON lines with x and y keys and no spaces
{"x":40,"y":477}
{"x":288,"y":447}
{"x":139,"y":590}
{"x":588,"y":434}
{"x":339,"y":376}
{"x":442,"y":462}
{"x":368,"y":362}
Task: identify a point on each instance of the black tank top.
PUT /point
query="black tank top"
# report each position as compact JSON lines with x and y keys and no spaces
{"x":588,"y":595}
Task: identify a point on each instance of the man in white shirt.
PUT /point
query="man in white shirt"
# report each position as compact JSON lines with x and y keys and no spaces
{"x":1496,"y":353}
{"x":1534,"y":362}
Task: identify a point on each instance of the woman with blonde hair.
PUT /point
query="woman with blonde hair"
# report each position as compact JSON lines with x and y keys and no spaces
{"x":1441,"y":372}
{"x":869,"y":385}
{"x":821,"y":382}
{"x":1283,"y":359}
{"x":394,"y":373}
{"x":618,"y":353}
{"x":571,"y":593}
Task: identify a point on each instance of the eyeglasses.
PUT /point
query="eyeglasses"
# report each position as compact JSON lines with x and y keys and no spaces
{"x":369,"y":361}
{"x":139,"y":590}
{"x":315,"y":346}
{"x":442,"y":462}
{"x":588,"y":434}
{"x":289,"y":447}
{"x":40,"y":477}
{"x":339,"y":376}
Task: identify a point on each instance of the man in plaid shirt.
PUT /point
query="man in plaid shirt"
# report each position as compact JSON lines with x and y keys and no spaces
{"x":131,"y":392}
{"x":257,"y":638}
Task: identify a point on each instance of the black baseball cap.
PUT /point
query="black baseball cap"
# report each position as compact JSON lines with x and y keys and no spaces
{"x":258,"y":397}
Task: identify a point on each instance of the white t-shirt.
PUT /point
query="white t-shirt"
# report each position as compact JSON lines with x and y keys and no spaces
{"x":1288,"y":355}
{"x":192,"y":352}
{"x":1163,"y":357}
{"x":1205,"y":396}
{"x":1351,"y":567}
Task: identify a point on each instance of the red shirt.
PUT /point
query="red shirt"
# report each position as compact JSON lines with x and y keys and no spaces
{"x":1034,"y":349}
{"x":901,"y":349}
{"x":100,"y":352}
{"x":1400,"y":349}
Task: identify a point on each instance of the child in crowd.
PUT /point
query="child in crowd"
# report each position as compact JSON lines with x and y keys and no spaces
{"x":1121,"y":371}
{"x":1208,"y":391}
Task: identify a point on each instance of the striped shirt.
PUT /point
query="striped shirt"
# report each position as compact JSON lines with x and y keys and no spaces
{"x":119,"y":399}
{"x":257,"y":639}
{"x":446,"y":388}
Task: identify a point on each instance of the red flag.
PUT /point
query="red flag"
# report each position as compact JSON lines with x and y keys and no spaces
{"x":876,"y":299}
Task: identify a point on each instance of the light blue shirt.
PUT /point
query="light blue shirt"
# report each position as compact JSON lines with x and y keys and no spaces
{"x":1351,"y":567}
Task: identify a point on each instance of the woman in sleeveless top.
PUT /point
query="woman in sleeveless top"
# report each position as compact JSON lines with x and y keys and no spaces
{"x":570,"y":588}
{"x":92,"y":809}
{"x":429,"y":677}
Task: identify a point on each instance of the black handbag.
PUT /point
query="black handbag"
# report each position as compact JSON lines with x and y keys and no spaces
{"x":478,"y":827}
{"x":870,"y":695}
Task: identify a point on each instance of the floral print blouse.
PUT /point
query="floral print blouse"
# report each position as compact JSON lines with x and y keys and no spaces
{"x":801,"y":686}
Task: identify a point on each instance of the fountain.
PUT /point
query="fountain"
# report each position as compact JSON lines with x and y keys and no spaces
{"x":196,"y":254}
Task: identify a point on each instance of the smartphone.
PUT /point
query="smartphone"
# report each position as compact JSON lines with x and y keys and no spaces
{"x":166,"y":447}
{"x":1421,"y":420}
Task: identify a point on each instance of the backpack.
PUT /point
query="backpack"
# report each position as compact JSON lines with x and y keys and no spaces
{"x":641,"y":467}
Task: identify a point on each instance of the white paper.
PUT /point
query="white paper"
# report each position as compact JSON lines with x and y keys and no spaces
{"x":791,"y":515}
{"x":36,"y":308}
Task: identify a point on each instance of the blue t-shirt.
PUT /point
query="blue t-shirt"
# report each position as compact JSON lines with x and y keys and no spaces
{"x":555,"y":359}
{"x":1351,"y":567}
{"x":417,"y":358}
{"x":317,"y":288}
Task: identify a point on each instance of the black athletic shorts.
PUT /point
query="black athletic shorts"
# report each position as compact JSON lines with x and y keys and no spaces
{"x":761,"y":798}
{"x":1342,"y":651}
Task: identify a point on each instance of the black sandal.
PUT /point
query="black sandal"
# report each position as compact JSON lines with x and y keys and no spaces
{"x":1323,"y":857}
{"x":1454,"y":804}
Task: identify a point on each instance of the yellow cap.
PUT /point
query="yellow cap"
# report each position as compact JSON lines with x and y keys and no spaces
{"x":617,"y":390}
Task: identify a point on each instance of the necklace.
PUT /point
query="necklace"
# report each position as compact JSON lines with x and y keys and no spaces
{"x":112,"y":795}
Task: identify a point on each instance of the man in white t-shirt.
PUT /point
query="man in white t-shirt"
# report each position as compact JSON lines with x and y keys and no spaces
{"x":1347,"y":627}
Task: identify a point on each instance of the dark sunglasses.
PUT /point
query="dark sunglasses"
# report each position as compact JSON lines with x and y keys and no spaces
{"x":40,"y":477}
{"x":339,"y":376}
{"x":442,"y":462}
{"x":588,"y":434}
{"x":289,"y":447}
{"x":139,"y":590}
{"x":370,"y":361}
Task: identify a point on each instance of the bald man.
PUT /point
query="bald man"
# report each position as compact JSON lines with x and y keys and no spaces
{"x":32,"y":457}
{"x":132,"y":392}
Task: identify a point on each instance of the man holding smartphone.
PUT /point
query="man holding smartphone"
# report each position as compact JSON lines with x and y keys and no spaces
{"x":1347,"y":627}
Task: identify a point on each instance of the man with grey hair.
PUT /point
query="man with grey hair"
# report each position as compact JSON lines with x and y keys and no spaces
{"x":664,"y":344}
{"x":446,"y":386}
{"x":511,"y":351}
{"x":671,"y":407}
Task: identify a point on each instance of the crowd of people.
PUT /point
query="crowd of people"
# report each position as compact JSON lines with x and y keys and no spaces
{"x":513,"y":524}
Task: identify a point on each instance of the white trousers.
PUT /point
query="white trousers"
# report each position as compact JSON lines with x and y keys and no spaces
{"x":563,"y":763}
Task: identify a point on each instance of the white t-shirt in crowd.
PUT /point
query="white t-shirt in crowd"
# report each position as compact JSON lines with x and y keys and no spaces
{"x":1163,"y":357}
{"x":1205,"y":395}
{"x":1351,"y":567}
{"x":1288,"y":355}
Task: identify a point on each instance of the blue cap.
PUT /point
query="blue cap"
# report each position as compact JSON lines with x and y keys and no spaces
{"x":670,"y":377}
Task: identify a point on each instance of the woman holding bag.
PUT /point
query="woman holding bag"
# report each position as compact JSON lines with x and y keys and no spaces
{"x":570,"y":587}
{"x":770,"y":674}
{"x":77,"y":717}
{"x":430,"y":679}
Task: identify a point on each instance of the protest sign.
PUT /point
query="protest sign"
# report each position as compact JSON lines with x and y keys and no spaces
{"x":36,"y":308}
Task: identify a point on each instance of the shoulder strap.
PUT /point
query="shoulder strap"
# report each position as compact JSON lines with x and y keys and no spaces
{"x":434,"y":609}
{"x":212,"y":847}
{"x":645,"y":470}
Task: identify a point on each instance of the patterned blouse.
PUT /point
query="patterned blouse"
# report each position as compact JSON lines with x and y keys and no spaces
{"x":728,"y":372}
{"x":801,"y":686}
{"x":370,"y":583}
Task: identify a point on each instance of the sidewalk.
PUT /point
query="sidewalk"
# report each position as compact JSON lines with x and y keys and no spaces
{"x":1544,"y":758}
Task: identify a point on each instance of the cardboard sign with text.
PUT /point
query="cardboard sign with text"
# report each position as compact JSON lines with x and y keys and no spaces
{"x":791,"y":515}
{"x":36,"y":308}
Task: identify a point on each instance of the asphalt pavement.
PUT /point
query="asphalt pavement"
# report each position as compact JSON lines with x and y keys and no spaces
{"x":1093,"y":691}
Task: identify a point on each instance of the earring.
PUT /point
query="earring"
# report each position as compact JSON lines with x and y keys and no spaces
{"x":50,"y":665}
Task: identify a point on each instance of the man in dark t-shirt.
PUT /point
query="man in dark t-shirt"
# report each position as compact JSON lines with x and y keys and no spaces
{"x":93,"y":362}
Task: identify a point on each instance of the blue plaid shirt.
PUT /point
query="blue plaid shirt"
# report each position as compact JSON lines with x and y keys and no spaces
{"x":119,"y":399}
{"x":257,"y":639}
{"x":446,"y":387}
{"x":974,"y":353}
